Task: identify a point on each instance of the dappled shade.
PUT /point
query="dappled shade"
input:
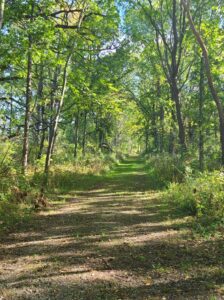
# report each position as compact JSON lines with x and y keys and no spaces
{"x":114,"y":241}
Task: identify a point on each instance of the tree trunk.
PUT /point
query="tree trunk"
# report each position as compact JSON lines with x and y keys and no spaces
{"x":147,"y":137}
{"x":161,"y":119}
{"x":2,"y":8}
{"x":84,"y":136}
{"x":54,"y":126}
{"x":176,"y":99}
{"x":41,"y":130}
{"x":76,"y":134}
{"x":27,"y":107}
{"x":41,"y":146}
{"x":170,"y":56}
{"x":201,"y":117}
{"x":101,"y":133}
{"x":171,"y":142}
{"x":161,"y":139}
{"x":11,"y":118}
{"x":209,"y":76}
{"x":154,"y":127}
{"x":190,"y":132}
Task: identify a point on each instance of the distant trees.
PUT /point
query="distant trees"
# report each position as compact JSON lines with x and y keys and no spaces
{"x":208,"y":72}
{"x":161,"y":32}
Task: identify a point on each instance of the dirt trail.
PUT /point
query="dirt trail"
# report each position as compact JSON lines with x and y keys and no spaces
{"x":115,"y":241}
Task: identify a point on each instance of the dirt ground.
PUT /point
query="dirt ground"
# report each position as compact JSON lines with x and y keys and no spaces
{"x":118,"y":240}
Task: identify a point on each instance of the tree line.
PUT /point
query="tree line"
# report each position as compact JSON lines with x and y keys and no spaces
{"x":177,"y":80}
{"x":60,"y":68}
{"x":102,"y":76}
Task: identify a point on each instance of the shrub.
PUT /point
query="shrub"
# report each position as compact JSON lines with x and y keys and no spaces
{"x":202,"y":196}
{"x":12,"y":214}
{"x":77,"y":174}
{"x":164,"y":169}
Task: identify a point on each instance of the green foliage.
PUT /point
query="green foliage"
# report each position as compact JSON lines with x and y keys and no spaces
{"x":201,"y":196}
{"x":164,"y":169}
{"x":17,"y":199}
{"x":13,"y":214}
{"x":77,"y":174}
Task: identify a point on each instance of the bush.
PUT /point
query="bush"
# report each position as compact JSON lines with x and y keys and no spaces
{"x":13,"y":214}
{"x":164,"y":169}
{"x":78,"y":174}
{"x":202,"y":196}
{"x":18,"y":192}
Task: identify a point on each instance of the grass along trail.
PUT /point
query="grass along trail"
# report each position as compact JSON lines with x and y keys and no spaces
{"x":115,"y":238}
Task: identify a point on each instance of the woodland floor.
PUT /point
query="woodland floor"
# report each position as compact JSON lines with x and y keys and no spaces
{"x":114,"y":239}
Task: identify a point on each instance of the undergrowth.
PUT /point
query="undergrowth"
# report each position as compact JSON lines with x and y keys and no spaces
{"x":77,"y":175}
{"x":163,"y":169}
{"x":199,"y":194}
{"x":13,"y":214}
{"x":18,"y":192}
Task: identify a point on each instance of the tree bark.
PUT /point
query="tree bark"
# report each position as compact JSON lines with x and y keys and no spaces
{"x":175,"y":92}
{"x":154,"y":127}
{"x":147,"y":137}
{"x":84,"y":136}
{"x":176,"y":99}
{"x":201,"y":117}
{"x":41,"y":130}
{"x":54,"y":124}
{"x":208,"y":72}
{"x":2,"y":8}
{"x":101,"y":132}
{"x":76,"y":134}
{"x":41,"y":146}
{"x":161,"y":137}
{"x":27,"y":107}
{"x":171,"y":142}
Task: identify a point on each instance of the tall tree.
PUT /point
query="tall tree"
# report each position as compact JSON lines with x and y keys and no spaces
{"x":168,"y":21}
{"x":212,"y":87}
{"x":2,"y":8}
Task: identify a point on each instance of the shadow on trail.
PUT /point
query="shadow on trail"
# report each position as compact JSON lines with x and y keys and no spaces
{"x":116,"y":240}
{"x":128,"y":176}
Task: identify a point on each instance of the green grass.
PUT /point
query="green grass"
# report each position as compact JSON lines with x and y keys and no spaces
{"x":121,"y":175}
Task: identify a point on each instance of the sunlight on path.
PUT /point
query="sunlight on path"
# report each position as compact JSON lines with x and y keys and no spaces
{"x":116,"y":241}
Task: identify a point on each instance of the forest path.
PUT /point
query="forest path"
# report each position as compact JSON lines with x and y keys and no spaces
{"x":115,"y":240}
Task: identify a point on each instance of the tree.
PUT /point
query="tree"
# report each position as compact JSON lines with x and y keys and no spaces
{"x":168,"y":22}
{"x":2,"y":8}
{"x":208,"y":74}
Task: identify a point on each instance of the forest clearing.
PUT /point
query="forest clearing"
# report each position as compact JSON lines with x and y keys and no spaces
{"x":111,"y":149}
